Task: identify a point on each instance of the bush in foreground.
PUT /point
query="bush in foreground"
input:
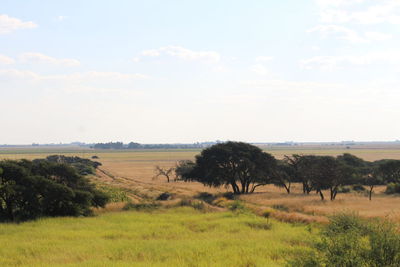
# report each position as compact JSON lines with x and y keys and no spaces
{"x":32,"y":189}
{"x":351,"y":241}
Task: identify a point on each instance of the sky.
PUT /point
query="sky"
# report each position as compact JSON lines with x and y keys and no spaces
{"x":177,"y":71}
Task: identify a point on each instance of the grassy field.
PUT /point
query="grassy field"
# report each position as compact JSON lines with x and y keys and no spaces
{"x":174,"y":237}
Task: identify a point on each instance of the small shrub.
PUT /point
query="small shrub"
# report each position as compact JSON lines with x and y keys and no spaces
{"x":267,"y":213}
{"x":393,"y":188}
{"x":164,"y":196}
{"x":221,"y":202}
{"x":196,"y":204}
{"x":143,"y":206}
{"x":205,"y":196}
{"x":237,"y":206}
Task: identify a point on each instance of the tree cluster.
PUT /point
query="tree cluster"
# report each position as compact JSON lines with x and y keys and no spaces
{"x":244,"y":167}
{"x":33,"y":189}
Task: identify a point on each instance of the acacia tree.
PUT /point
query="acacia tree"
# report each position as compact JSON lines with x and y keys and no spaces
{"x":284,"y":175}
{"x":166,"y":172}
{"x":239,"y":165}
{"x":324,"y":173}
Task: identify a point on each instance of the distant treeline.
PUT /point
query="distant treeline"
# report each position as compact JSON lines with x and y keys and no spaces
{"x":133,"y":145}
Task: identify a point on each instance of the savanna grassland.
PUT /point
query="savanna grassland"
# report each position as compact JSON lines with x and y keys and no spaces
{"x":133,"y":171}
{"x":172,"y":235}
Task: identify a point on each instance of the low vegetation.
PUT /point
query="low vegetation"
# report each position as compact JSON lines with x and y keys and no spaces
{"x":174,"y":237}
{"x":351,"y":241}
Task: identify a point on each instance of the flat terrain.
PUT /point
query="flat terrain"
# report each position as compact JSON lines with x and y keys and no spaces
{"x":133,"y":170}
{"x":175,"y":237}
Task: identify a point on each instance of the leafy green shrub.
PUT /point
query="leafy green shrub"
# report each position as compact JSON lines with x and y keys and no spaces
{"x":393,"y":188}
{"x":385,"y":244}
{"x":351,"y":241}
{"x":237,"y":206}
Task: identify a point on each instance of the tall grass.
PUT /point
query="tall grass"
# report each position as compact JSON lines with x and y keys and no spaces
{"x":176,"y":237}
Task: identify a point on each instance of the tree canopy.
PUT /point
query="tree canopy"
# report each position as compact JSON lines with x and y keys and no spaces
{"x":239,"y":165}
{"x":32,"y":189}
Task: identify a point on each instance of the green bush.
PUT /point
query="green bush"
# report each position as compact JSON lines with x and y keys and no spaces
{"x":39,"y":188}
{"x":349,"y":241}
{"x":393,"y":188}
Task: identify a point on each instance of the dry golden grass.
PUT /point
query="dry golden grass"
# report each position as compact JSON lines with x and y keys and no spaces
{"x":134,"y":171}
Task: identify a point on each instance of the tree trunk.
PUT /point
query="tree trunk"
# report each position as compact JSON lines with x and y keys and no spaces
{"x":287,"y":187}
{"x":235,"y":188}
{"x":370,"y":192}
{"x":322,"y":195}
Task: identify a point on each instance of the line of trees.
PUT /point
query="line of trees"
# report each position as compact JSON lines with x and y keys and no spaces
{"x":47,"y":187}
{"x":244,"y":167}
{"x":133,"y":145}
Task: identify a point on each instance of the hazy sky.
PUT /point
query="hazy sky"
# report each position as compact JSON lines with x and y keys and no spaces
{"x":160,"y":71}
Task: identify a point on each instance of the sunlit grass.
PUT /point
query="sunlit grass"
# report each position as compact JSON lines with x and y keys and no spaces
{"x":177,"y":237}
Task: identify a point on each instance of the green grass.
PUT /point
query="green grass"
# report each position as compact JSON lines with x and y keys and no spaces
{"x":174,"y":237}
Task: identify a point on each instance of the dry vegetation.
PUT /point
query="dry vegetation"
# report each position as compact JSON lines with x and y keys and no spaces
{"x":133,"y":172}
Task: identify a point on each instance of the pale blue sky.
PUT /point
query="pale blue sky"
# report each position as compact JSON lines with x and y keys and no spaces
{"x":184,"y":71}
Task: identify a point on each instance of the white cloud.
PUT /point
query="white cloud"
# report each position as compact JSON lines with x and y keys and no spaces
{"x":6,"y":60}
{"x":264,"y":59}
{"x":18,"y":75}
{"x":9,"y":24}
{"x":344,"y":33}
{"x":342,"y":11}
{"x":334,"y":62}
{"x":41,"y":58}
{"x":78,"y":77}
{"x":181,"y":53}
{"x":260,"y":69}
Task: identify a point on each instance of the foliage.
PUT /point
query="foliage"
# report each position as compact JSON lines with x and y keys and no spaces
{"x":32,"y":189}
{"x":393,"y":188}
{"x":351,"y":241}
{"x":241,"y":166}
{"x":81,"y":165}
